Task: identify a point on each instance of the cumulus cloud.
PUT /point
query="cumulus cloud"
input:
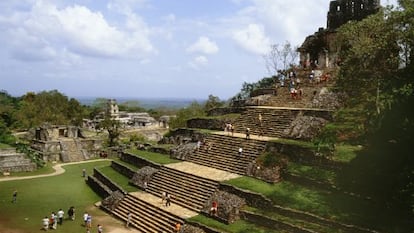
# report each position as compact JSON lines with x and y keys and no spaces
{"x":78,"y":30}
{"x":198,"y":62}
{"x":252,"y":38}
{"x":203,"y":45}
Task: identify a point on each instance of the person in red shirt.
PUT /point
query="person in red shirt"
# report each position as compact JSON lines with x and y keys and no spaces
{"x":213,"y":210}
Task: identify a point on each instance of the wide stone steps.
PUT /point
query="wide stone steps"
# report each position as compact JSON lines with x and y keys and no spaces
{"x":274,"y":121}
{"x":187,"y":190}
{"x":224,"y":155}
{"x":146,"y":217}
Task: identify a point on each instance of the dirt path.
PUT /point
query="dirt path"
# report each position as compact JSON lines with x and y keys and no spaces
{"x":58,"y":170}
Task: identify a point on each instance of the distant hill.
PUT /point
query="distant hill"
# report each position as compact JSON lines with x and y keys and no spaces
{"x":146,"y":102}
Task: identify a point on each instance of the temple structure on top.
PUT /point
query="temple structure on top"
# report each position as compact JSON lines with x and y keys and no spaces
{"x":318,"y":50}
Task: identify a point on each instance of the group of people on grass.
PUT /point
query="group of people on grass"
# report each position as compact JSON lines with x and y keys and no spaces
{"x":56,"y":218}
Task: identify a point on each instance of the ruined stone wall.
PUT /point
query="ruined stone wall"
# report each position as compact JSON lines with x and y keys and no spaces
{"x":342,"y":11}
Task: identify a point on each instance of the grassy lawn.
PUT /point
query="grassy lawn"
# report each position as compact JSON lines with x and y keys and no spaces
{"x":345,"y":153}
{"x":39,"y":197}
{"x":154,"y":157}
{"x":310,"y":172}
{"x":5,"y":146}
{"x":239,"y":226}
{"x":118,"y":178}
{"x":335,"y":206}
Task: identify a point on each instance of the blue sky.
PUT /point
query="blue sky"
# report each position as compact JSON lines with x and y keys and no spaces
{"x":146,"y":48}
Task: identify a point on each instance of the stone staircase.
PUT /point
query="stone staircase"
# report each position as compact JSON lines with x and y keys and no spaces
{"x":146,"y":218}
{"x":11,"y":161}
{"x":223,"y":154}
{"x":187,"y":190}
{"x":274,"y":120}
{"x":71,"y":150}
{"x":284,"y":99}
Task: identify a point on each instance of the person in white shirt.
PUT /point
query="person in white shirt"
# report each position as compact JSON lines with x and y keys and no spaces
{"x":60,"y":215}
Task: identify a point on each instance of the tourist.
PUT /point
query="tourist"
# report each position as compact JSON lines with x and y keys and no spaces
{"x":45,"y":223}
{"x":240,"y":151}
{"x":129,"y":217}
{"x":177,"y":227}
{"x":53,"y":221}
{"x":198,"y":145}
{"x":167,"y":200}
{"x":213,"y":209}
{"x":14,"y":199}
{"x":85,"y":218}
{"x":89,"y":221}
{"x":100,"y":229}
{"x":247,"y":133}
{"x":163,"y":196}
{"x":60,"y":215}
{"x":71,"y":213}
{"x":260,"y":118}
{"x":84,"y":172}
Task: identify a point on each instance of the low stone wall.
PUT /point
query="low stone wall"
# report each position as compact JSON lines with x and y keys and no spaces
{"x":252,"y":199}
{"x":183,"y":135}
{"x":302,"y":155}
{"x":207,"y":123}
{"x":263,"y":91}
{"x":107,"y":182}
{"x":272,"y":223}
{"x":137,"y":161}
{"x":98,"y":187}
{"x":224,"y":111}
{"x":124,"y":170}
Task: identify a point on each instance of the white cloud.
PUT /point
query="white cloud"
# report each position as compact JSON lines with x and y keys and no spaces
{"x":203,"y":45}
{"x":252,"y":38}
{"x":80,"y":31}
{"x":198,"y":62}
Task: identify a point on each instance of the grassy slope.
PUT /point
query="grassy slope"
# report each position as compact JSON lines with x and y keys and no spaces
{"x":39,"y":197}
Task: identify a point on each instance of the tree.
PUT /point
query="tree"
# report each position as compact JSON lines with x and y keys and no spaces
{"x":48,"y":107}
{"x":184,"y":114}
{"x":213,"y":102}
{"x":280,"y":57}
{"x":113,"y":128}
{"x":376,"y":73}
{"x":370,"y":63}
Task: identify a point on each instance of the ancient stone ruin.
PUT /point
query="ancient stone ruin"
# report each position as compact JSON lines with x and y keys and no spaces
{"x":12,"y":161}
{"x":64,"y":143}
{"x":318,"y":50}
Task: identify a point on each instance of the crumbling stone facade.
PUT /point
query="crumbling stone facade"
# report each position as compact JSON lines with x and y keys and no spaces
{"x":318,"y":50}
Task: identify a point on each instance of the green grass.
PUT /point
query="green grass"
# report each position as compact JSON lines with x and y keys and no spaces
{"x":39,"y":197}
{"x":310,"y":172}
{"x":154,"y":157}
{"x":345,"y":152}
{"x":239,"y":226}
{"x":336,"y":206}
{"x":118,"y":178}
{"x":294,"y":221}
{"x":5,"y":146}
